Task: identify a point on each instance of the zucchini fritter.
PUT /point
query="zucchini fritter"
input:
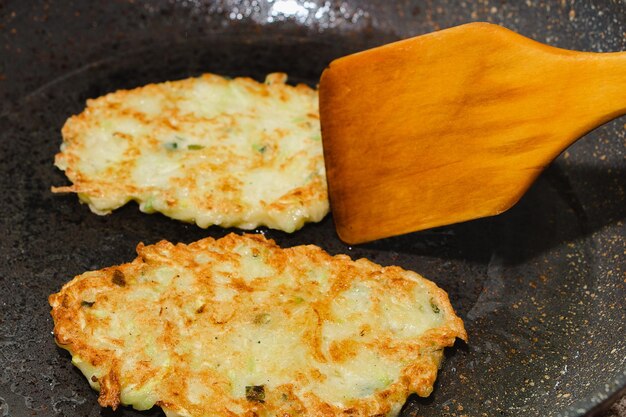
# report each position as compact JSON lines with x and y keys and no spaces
{"x":209,"y":150}
{"x":239,"y":326}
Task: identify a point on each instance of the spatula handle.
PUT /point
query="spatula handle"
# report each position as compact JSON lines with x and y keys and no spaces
{"x":601,"y":85}
{"x":580,"y":91}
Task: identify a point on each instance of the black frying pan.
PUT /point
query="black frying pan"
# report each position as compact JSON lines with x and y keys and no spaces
{"x":541,"y":288}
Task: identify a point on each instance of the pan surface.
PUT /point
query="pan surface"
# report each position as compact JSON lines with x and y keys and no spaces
{"x":541,"y":288}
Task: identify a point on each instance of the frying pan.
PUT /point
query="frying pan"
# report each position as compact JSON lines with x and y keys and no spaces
{"x":541,"y":288}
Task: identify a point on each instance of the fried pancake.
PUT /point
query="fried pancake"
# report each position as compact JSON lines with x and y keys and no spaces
{"x":209,"y":150}
{"x":239,"y":326}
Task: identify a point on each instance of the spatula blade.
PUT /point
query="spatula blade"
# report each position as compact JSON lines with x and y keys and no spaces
{"x":451,"y":126}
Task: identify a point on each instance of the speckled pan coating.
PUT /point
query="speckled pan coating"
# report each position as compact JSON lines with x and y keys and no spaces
{"x":541,"y":287}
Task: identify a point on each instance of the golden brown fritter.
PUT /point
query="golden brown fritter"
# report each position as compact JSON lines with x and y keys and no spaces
{"x":239,"y":326}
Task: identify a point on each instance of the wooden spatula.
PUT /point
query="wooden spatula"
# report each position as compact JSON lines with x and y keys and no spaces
{"x":454,"y":125}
